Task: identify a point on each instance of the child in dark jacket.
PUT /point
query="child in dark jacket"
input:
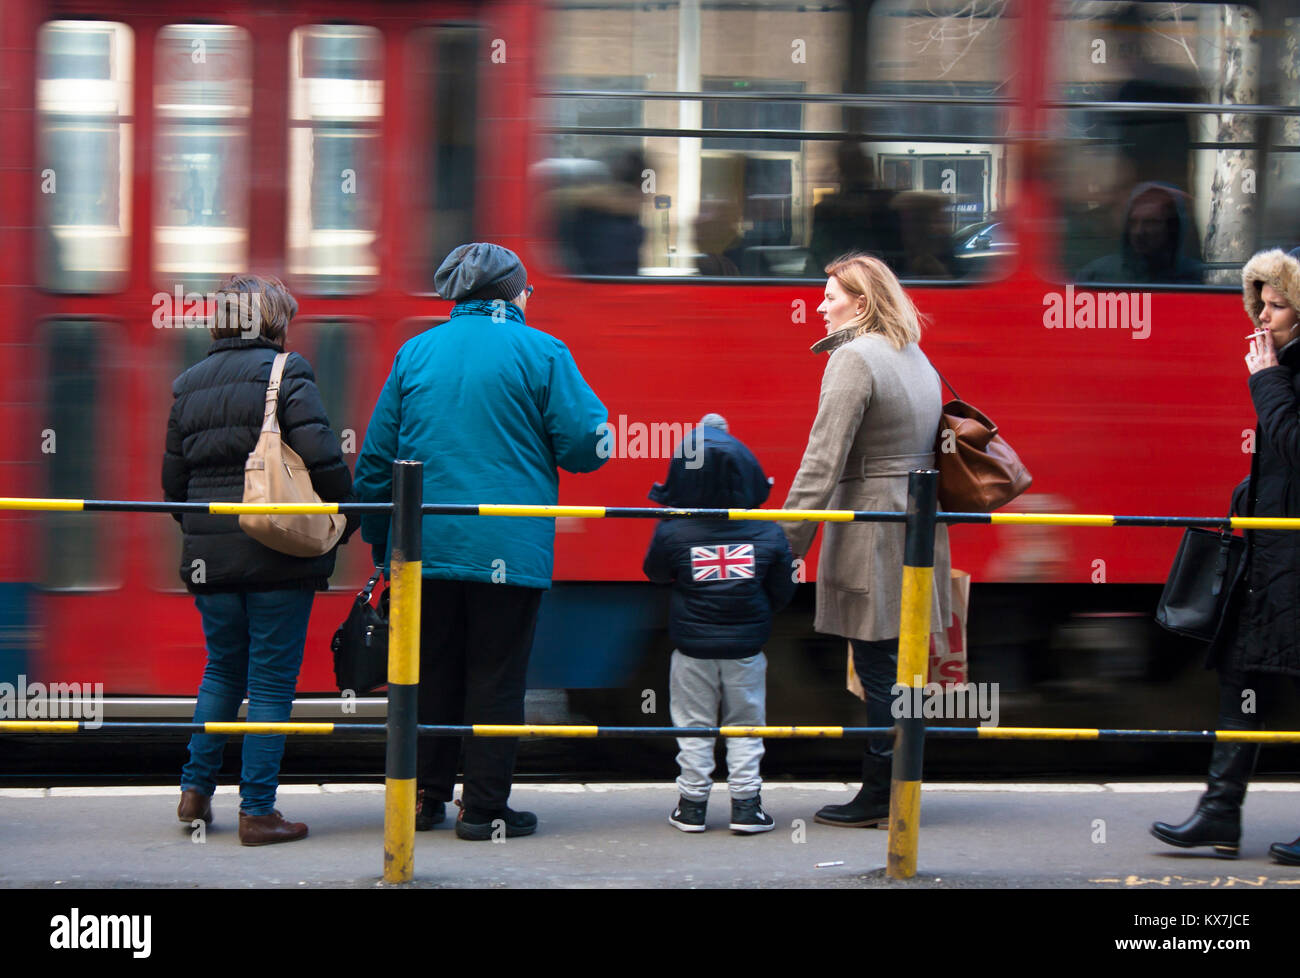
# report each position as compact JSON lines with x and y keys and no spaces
{"x":728,"y":578}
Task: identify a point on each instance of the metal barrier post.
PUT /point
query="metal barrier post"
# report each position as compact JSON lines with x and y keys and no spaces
{"x":403,"y":673}
{"x":913,"y":663}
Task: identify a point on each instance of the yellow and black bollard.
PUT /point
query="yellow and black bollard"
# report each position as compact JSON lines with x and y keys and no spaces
{"x":913,"y":663}
{"x":403,"y":673}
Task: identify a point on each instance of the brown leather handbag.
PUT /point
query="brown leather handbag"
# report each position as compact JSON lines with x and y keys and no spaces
{"x":274,"y":473}
{"x":978,"y":470}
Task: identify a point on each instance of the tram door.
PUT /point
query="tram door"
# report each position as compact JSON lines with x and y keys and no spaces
{"x":341,"y":157}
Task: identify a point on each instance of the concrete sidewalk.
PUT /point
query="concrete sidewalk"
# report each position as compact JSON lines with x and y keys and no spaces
{"x":1088,"y":835}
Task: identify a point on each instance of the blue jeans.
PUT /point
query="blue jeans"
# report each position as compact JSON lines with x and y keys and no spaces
{"x":255,"y":644}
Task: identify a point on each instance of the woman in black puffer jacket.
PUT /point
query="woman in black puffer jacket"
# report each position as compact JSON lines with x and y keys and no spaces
{"x":1259,"y":642}
{"x":255,"y":602}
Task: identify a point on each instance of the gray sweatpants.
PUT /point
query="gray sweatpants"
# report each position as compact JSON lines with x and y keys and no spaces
{"x":696,"y":688}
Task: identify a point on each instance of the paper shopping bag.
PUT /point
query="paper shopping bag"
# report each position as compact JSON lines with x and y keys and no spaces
{"x":947,"y":665}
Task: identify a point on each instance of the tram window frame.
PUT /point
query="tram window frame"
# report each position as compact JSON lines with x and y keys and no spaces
{"x":425,"y":251}
{"x":1199,"y":193}
{"x":168,"y":540}
{"x":104,"y":453}
{"x":304,"y":278}
{"x":352,"y":363}
{"x":237,"y":127}
{"x":1002,"y":180}
{"x":122,"y":56}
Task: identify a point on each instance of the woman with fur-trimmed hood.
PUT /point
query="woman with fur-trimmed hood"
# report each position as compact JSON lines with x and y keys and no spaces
{"x":1259,"y":641}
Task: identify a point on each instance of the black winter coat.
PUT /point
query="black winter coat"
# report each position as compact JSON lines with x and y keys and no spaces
{"x":1262,"y":633}
{"x":728,"y":577}
{"x":215,"y":420}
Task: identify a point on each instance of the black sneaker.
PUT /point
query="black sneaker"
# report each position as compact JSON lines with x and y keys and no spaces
{"x":747,"y":816}
{"x":428,"y":812}
{"x":689,"y":815}
{"x":477,"y":826}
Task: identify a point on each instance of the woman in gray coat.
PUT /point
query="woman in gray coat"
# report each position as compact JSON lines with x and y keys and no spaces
{"x":877,"y":418}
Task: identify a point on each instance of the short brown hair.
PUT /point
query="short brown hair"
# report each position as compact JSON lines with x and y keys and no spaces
{"x":887,"y":308}
{"x":252,"y":305}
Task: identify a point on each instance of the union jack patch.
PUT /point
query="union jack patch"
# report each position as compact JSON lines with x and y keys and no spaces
{"x":726,"y":562}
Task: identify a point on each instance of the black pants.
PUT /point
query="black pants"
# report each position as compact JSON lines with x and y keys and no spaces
{"x":474,"y":645}
{"x":876,"y":664}
{"x":1248,"y":699}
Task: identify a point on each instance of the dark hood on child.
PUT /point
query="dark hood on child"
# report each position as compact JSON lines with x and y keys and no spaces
{"x":712,"y":470}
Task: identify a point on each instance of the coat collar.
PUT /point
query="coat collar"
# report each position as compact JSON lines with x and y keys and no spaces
{"x":243,"y":343}
{"x":1289,"y":355}
{"x":498,"y":309}
{"x":834,"y":340}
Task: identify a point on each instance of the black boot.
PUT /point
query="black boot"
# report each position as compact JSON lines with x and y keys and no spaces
{"x":870,"y":806}
{"x":1286,"y":853}
{"x":1217,"y":819}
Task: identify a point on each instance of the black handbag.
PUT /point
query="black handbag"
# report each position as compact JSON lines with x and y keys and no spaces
{"x":1196,"y":594}
{"x":360,"y":645}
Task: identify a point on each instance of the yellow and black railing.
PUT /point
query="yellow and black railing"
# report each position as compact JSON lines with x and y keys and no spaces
{"x":379,"y":731}
{"x":25,"y":504}
{"x":402,"y":730}
{"x":913,"y":667}
{"x":403,"y":673}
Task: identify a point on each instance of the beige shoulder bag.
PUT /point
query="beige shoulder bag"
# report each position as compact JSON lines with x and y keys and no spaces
{"x":274,"y":473}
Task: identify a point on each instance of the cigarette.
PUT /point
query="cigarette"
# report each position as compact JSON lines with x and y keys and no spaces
{"x":838,"y":862}
{"x":1258,"y":332}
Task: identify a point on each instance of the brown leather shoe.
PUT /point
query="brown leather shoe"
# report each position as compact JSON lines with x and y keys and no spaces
{"x":194,"y":804}
{"x":266,"y":830}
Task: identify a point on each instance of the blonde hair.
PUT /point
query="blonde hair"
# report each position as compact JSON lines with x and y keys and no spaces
{"x":887,"y":309}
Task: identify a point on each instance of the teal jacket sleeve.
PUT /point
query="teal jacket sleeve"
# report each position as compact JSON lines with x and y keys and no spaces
{"x":374,"y":477}
{"x":573,"y":415}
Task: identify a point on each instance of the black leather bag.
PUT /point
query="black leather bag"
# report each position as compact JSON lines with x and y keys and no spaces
{"x":1195,"y":597}
{"x":360,"y":645}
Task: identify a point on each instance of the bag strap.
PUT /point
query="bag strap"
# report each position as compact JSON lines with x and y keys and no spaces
{"x":1226,"y":536}
{"x":269,"y":420}
{"x":370,"y":585}
{"x":946,"y":384}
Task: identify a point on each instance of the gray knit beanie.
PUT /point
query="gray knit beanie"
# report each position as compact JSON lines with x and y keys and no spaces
{"x":712,"y":420}
{"x":480,"y":271}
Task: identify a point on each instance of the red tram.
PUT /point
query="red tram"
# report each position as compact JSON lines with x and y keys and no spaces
{"x":673,"y":175}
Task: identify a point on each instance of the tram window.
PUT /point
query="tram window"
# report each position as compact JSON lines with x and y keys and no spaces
{"x":83,"y":98}
{"x":336,"y":349}
{"x":612,"y":112}
{"x":772,"y":201}
{"x":178,"y":349}
{"x":444,"y":110}
{"x":1163,"y":195}
{"x":202,"y":100}
{"x":336,"y":105}
{"x":77,"y":551}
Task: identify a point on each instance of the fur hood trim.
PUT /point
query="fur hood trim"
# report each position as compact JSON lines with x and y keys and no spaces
{"x":1275,"y":268}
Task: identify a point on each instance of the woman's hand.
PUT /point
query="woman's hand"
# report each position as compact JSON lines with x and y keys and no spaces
{"x":1262,"y":352}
